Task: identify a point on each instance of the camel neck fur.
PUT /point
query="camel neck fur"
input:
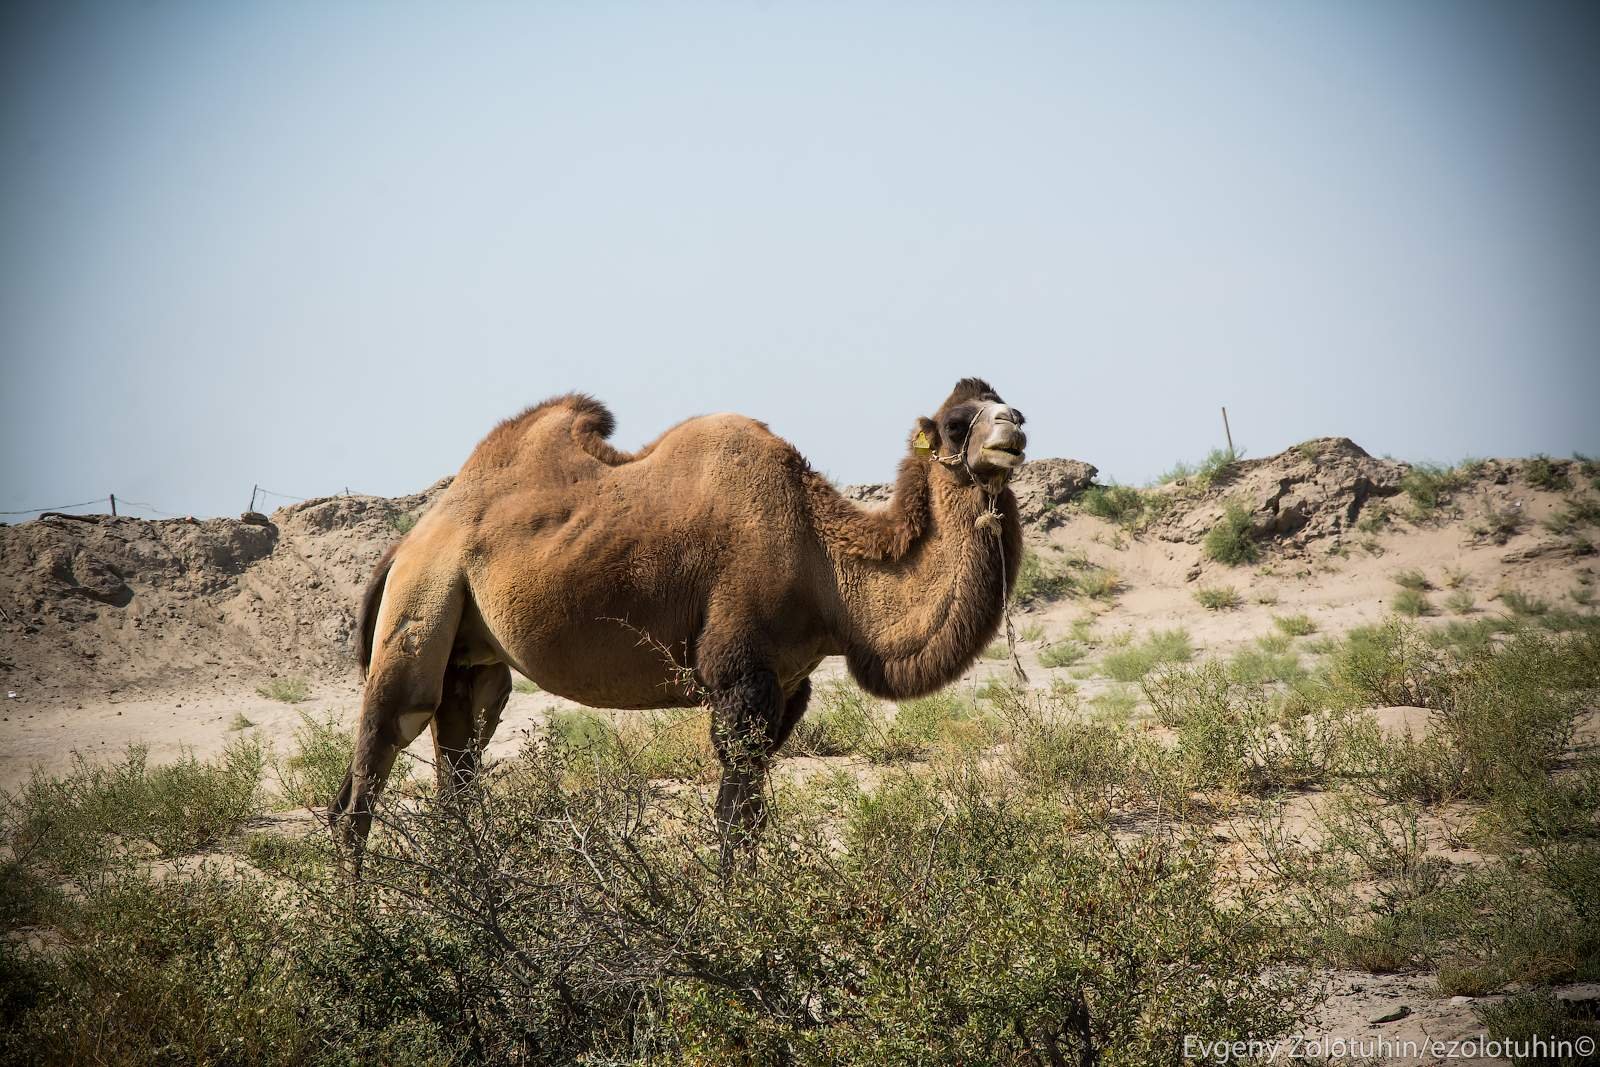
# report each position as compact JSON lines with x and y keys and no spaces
{"x":919,"y":581}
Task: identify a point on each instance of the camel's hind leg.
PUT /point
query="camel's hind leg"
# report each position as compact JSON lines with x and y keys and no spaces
{"x":468,"y":713}
{"x":415,"y":631}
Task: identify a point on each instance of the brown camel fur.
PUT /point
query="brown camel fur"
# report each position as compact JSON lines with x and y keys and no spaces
{"x":580,"y":565}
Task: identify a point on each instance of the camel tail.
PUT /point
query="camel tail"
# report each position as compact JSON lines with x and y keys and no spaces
{"x":367,"y":623}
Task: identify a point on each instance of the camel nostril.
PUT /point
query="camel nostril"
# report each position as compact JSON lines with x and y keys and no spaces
{"x":1005,"y":415}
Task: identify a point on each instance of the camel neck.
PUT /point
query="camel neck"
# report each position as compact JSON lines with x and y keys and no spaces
{"x":914,"y":621}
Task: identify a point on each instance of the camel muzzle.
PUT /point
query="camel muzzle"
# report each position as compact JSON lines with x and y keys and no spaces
{"x":1005,"y":444}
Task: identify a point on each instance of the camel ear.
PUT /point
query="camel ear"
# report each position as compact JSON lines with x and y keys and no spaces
{"x":925,"y":438}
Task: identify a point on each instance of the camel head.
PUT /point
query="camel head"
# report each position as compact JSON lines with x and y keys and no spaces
{"x":974,"y":434}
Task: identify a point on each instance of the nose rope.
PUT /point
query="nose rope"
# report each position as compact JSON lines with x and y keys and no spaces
{"x":990,"y":520}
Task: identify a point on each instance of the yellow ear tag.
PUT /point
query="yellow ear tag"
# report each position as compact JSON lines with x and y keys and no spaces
{"x":922,"y":444}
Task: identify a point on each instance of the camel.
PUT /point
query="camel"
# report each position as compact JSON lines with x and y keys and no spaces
{"x":577,"y":564}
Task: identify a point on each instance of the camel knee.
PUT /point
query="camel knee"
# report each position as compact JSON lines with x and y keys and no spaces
{"x":747,"y":713}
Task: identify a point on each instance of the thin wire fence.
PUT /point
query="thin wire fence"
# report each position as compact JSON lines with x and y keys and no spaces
{"x":119,"y":505}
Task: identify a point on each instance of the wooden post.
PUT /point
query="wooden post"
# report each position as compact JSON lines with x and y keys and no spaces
{"x":1226,"y":430}
{"x":113,"y":505}
{"x":254,"y":489}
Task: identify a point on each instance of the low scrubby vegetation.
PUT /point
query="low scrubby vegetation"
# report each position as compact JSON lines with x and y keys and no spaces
{"x":1231,"y":540}
{"x":1023,"y":877}
{"x":1207,"y":472}
{"x":1295,"y":625}
{"x":1430,"y":486}
{"x":288,"y":689}
{"x":1218,"y":597}
{"x":1412,"y":603}
{"x":1133,"y":661}
{"x":1129,"y":507}
{"x":1041,"y":580}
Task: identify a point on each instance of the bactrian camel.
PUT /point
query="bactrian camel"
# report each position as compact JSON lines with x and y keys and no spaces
{"x":578,"y":564}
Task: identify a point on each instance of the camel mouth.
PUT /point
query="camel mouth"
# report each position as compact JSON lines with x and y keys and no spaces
{"x":1003,"y":455}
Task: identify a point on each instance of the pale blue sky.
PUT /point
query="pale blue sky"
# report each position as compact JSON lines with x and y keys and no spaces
{"x":320,"y":245}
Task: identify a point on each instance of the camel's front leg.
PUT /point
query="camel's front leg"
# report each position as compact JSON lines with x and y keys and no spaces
{"x":746,"y":717}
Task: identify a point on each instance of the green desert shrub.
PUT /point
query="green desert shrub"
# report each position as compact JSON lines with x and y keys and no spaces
{"x":1511,"y":709}
{"x":1430,"y":485}
{"x":1209,"y":470}
{"x":1393,"y":769}
{"x":918,"y":726}
{"x":1374,"y":519}
{"x":1537,"y":1024}
{"x":1216,"y":463}
{"x":1234,"y":733}
{"x":670,"y":745}
{"x":313,"y":771}
{"x":1388,"y":665}
{"x":1501,"y":716}
{"x":1218,"y":597}
{"x":1128,"y":507}
{"x":1544,"y":473}
{"x":1133,"y":662}
{"x":1412,"y":603}
{"x":193,"y":968}
{"x":1231,"y":540}
{"x":289,"y":689}
{"x":1467,"y":635}
{"x":1574,"y":512}
{"x":1116,"y":704}
{"x":174,"y":809}
{"x":1038,"y":581}
{"x":1523,"y":605}
{"x":1051,"y":749}
{"x":1295,"y":625}
{"x":1097,"y":583}
{"x":581,"y":730}
{"x":1588,"y":468}
{"x":1412,"y":579}
{"x":1062,"y":654}
{"x":1499,"y":524}
{"x":1266,"y":662}
{"x":1121,"y":504}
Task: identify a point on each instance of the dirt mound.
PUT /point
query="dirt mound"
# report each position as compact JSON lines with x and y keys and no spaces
{"x":1314,"y":492}
{"x":96,"y":605}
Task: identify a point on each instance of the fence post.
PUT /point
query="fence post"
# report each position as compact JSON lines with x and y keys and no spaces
{"x":1227,"y":430}
{"x":113,"y":505}
{"x":254,"y":489}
